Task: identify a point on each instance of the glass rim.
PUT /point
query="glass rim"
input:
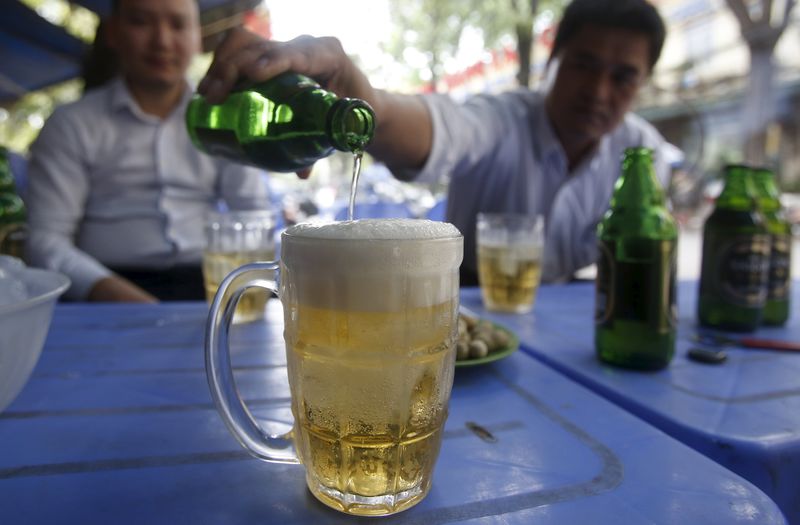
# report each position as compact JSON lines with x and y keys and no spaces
{"x":509,"y":219}
{"x":363,"y":240}
{"x":493,"y":214}
{"x":289,"y":234}
{"x":222,"y":219}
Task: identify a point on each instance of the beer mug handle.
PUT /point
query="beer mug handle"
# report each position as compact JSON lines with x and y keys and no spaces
{"x":234,"y":412}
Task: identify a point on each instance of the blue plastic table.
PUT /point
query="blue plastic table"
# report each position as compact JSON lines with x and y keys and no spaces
{"x":744,"y":413}
{"x":117,"y":426}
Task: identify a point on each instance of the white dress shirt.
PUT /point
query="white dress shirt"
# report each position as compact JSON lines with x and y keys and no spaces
{"x":501,"y":154}
{"x":112,"y":186}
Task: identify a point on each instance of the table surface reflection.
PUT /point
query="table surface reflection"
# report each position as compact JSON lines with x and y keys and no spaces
{"x":117,"y":426}
{"x":743,"y":413}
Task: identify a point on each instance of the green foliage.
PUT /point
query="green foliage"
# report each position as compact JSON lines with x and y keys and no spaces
{"x":21,"y":121}
{"x":20,"y":124}
{"x":433,"y":28}
{"x":76,"y":20}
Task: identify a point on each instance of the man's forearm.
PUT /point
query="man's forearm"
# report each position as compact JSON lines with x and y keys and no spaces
{"x":404,"y":133}
{"x":117,"y":289}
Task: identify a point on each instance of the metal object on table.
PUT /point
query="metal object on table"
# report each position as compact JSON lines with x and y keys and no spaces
{"x":706,"y":355}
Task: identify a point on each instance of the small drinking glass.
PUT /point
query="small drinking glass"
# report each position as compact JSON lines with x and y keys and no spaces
{"x":509,"y":260}
{"x":233,"y":239}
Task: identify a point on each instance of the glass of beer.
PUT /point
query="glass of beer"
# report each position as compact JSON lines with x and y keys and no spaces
{"x":235,"y":238}
{"x":509,"y":260}
{"x":370,"y":314}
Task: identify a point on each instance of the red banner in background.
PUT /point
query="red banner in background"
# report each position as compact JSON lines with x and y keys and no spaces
{"x":258,"y":21}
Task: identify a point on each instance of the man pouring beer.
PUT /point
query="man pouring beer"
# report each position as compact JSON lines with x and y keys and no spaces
{"x":553,"y":152}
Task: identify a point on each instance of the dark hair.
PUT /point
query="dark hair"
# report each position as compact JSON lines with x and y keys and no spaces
{"x":633,"y":15}
{"x":100,"y":63}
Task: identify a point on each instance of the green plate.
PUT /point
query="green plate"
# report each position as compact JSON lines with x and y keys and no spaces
{"x":510,"y":348}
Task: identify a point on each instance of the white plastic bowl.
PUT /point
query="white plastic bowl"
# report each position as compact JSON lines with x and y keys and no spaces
{"x":23,"y":329}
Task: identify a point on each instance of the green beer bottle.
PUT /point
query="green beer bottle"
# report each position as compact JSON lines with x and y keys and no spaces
{"x":735,"y":265}
{"x":284,"y":124}
{"x":635,"y":313}
{"x":7,"y":184}
{"x":776,"y":308}
{"x":13,"y":229}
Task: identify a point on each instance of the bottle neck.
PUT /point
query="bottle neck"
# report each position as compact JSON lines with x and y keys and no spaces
{"x":766,"y":190}
{"x":638,"y":185}
{"x":738,"y":192}
{"x":351,"y":125}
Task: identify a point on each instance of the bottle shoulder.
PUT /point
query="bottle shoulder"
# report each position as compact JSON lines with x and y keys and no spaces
{"x":650,"y":222}
{"x":777,"y":223}
{"x":733,"y":219}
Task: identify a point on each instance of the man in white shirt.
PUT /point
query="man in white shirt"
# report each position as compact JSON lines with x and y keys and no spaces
{"x":556,"y":153}
{"x":114,"y":181}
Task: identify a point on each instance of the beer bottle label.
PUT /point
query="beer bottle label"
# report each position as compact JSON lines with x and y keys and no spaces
{"x":637,"y":283}
{"x":743,"y":270}
{"x":779,"y":267}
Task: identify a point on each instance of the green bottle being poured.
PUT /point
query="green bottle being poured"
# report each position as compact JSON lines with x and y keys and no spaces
{"x":635,"y":313}
{"x":284,"y":124}
{"x":776,"y":309}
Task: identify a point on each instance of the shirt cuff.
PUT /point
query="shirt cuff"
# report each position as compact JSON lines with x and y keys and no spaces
{"x":84,"y":278}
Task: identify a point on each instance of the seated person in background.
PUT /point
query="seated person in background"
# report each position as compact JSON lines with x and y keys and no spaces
{"x":117,"y":194}
{"x":554,"y":152}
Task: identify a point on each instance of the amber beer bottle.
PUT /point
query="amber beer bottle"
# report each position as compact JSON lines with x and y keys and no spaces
{"x":776,"y":308}
{"x":736,"y":248}
{"x":284,"y":124}
{"x":635,"y":311}
{"x":13,"y":216}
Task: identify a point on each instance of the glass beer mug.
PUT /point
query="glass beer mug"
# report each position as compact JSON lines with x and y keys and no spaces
{"x":370,"y":311}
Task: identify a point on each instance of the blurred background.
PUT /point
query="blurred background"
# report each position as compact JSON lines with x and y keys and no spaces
{"x":727,"y":87}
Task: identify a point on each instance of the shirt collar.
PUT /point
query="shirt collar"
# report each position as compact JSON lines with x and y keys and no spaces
{"x":552,"y":150}
{"x":122,"y":99}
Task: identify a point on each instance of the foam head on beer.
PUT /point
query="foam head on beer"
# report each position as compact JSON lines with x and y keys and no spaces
{"x":378,"y":263}
{"x":392,"y":229}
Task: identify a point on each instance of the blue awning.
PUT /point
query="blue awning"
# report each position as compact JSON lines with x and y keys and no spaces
{"x":35,"y":53}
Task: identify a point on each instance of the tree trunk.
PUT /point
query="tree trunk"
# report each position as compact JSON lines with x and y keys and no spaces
{"x":524,"y":32}
{"x":434,"y":67}
{"x":760,"y":104}
{"x":761,"y":31}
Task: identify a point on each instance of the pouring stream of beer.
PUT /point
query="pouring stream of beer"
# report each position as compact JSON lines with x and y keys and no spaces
{"x":354,"y":185}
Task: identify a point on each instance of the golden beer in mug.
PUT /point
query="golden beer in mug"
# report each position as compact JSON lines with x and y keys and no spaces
{"x":509,"y":260}
{"x":370,"y":313}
